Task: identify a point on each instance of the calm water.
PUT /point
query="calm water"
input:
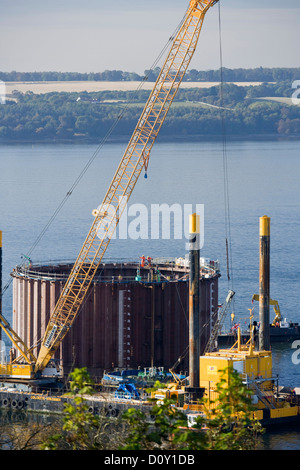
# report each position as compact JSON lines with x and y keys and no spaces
{"x":263,"y":179}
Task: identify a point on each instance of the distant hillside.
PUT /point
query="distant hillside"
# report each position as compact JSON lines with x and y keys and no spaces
{"x":260,"y":74}
{"x":264,"y":110}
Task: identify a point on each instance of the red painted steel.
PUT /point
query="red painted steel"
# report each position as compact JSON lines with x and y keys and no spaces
{"x":123,"y":322}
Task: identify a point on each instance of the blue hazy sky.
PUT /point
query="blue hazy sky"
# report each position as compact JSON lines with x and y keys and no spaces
{"x":95,"y":35}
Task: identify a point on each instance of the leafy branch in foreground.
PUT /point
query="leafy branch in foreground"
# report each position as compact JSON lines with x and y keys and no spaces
{"x":82,"y":430}
{"x":229,"y":425}
{"x":79,"y":425}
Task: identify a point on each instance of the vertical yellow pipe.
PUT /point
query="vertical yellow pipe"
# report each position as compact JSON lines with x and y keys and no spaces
{"x":239,"y":339}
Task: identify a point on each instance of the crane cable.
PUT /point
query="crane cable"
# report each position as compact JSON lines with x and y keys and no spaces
{"x":225,"y":166}
{"x":92,"y":158}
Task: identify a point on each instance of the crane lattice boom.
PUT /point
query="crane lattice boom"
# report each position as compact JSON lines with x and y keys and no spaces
{"x":134,"y":159}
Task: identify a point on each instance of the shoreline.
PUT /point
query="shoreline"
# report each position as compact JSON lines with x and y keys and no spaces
{"x":161,"y":139}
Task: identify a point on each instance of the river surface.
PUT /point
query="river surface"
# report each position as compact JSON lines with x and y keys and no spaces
{"x":263,"y":179}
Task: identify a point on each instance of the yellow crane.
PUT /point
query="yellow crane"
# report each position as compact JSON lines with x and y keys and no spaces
{"x":135,"y":158}
{"x":276,"y":308}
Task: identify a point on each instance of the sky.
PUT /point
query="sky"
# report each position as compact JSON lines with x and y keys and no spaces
{"x":97,"y":35}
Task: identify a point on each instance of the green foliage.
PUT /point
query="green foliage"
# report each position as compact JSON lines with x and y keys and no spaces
{"x":195,"y":112}
{"x":231,"y":425}
{"x":228,"y":426}
{"x":107,"y":75}
{"x":259,"y":74}
{"x":79,"y":425}
{"x":167,"y":429}
{"x":81,"y":429}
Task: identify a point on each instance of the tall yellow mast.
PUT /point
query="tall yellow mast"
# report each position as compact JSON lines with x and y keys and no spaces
{"x":134,"y":159}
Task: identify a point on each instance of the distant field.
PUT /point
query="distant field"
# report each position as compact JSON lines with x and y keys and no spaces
{"x":90,"y":86}
{"x":283,"y":100}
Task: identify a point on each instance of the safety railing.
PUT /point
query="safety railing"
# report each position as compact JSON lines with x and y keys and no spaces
{"x":175,"y":269}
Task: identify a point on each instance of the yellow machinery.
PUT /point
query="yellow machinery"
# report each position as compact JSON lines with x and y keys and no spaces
{"x":275,"y":304}
{"x":255,"y":368}
{"x":20,"y":367}
{"x":174,"y":390}
{"x":135,"y":158}
{"x":171,"y":391}
{"x":253,"y":365}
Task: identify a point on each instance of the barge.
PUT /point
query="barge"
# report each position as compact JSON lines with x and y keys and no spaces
{"x":52,"y":403}
{"x":274,"y":404}
{"x":281,"y":330}
{"x":286,"y":332}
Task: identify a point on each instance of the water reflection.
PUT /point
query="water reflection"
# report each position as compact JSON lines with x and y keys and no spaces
{"x":281,"y":439}
{"x":20,"y":430}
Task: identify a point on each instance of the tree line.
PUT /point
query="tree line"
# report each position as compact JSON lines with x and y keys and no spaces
{"x":195,"y":112}
{"x":259,"y":74}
